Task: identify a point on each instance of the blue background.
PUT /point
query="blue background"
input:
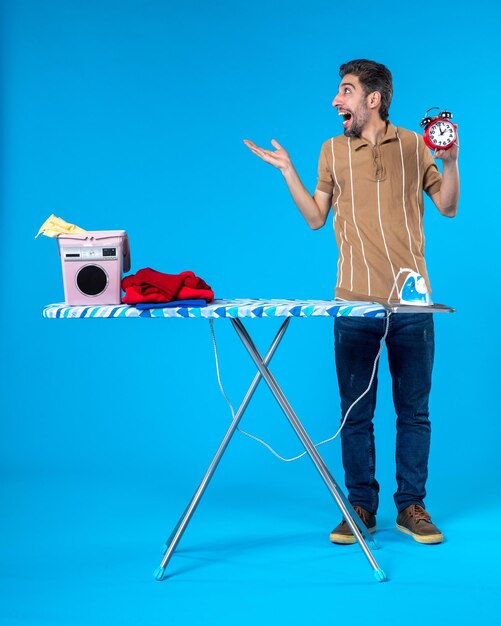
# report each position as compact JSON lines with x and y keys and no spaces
{"x":130,"y":115}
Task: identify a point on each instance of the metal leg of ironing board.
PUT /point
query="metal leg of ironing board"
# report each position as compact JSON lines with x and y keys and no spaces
{"x":357,"y":527}
{"x":177,"y":533}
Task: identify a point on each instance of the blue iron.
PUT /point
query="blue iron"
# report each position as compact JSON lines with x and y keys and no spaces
{"x":414,"y":290}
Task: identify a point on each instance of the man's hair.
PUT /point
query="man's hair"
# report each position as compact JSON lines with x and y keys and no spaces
{"x":373,"y":77}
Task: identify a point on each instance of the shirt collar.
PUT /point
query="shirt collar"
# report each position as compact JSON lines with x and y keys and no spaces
{"x":390,"y":135}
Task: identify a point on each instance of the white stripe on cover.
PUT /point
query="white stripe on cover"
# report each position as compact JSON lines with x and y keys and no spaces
{"x":355,"y":222}
{"x":403,"y":202}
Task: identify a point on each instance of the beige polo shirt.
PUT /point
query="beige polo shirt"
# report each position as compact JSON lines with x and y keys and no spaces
{"x":377,"y":201}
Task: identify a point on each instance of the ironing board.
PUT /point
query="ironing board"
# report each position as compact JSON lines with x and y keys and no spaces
{"x":236,"y":311}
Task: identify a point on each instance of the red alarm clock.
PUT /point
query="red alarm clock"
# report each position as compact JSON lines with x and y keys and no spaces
{"x":439,"y":132}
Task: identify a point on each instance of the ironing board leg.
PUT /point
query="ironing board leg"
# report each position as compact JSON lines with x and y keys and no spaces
{"x":177,"y":533}
{"x":356,"y":525}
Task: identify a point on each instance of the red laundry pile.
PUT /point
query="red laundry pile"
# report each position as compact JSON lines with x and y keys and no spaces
{"x":148,"y":285}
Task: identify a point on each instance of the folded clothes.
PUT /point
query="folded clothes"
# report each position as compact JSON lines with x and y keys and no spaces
{"x":54,"y":226}
{"x":171,"y":305}
{"x":148,"y":285}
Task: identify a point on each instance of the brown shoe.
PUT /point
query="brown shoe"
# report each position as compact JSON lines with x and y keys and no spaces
{"x":342,"y":533}
{"x":416,"y":522}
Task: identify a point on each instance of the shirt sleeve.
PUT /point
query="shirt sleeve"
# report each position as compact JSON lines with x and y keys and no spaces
{"x":324,"y":182}
{"x":432,"y":179}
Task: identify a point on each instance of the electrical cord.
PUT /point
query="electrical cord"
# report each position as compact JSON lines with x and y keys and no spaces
{"x":320,"y":443}
{"x":395,"y":282}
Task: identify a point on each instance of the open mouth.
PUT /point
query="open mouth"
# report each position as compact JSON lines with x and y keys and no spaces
{"x":347,"y":117}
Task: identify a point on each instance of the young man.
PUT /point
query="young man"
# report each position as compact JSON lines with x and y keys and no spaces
{"x":373,"y":176}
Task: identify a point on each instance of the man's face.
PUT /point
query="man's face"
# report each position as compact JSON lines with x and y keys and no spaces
{"x":351,"y":103}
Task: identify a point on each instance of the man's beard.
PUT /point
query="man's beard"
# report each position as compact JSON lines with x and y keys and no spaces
{"x":359,"y":119}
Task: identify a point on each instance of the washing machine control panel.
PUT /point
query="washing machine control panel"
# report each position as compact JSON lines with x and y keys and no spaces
{"x":90,"y":254}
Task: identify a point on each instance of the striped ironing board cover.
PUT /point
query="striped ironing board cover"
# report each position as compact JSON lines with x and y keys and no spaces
{"x":239,"y":308}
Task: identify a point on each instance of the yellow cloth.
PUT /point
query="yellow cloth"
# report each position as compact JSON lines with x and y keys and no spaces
{"x":54,"y":226}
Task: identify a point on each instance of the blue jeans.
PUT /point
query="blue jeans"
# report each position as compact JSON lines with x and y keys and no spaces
{"x":410,"y":344}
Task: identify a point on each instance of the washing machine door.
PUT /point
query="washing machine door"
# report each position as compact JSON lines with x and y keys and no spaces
{"x":91,"y":280}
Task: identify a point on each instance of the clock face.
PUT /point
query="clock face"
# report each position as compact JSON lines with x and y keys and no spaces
{"x":442,"y":133}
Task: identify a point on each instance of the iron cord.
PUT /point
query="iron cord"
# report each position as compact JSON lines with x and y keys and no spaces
{"x":400,"y":272}
{"x":320,"y":443}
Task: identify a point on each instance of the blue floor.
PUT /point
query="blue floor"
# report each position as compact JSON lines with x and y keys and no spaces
{"x":82,"y":550}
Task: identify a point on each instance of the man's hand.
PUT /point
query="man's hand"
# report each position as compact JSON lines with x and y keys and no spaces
{"x":314,"y":209}
{"x":448,"y":155}
{"x":279,"y":158}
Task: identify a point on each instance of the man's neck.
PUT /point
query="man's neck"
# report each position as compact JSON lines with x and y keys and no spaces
{"x":374,"y":131}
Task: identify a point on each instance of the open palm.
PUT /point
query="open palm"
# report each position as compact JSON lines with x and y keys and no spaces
{"x":279,"y":157}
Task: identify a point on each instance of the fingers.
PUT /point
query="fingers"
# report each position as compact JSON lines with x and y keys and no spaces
{"x":439,"y":154}
{"x":249,"y":143}
{"x":256,"y":149}
{"x":266,"y":155}
{"x":451,"y":154}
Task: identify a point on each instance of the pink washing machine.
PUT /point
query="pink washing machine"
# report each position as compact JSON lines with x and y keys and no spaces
{"x":92,"y":264}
